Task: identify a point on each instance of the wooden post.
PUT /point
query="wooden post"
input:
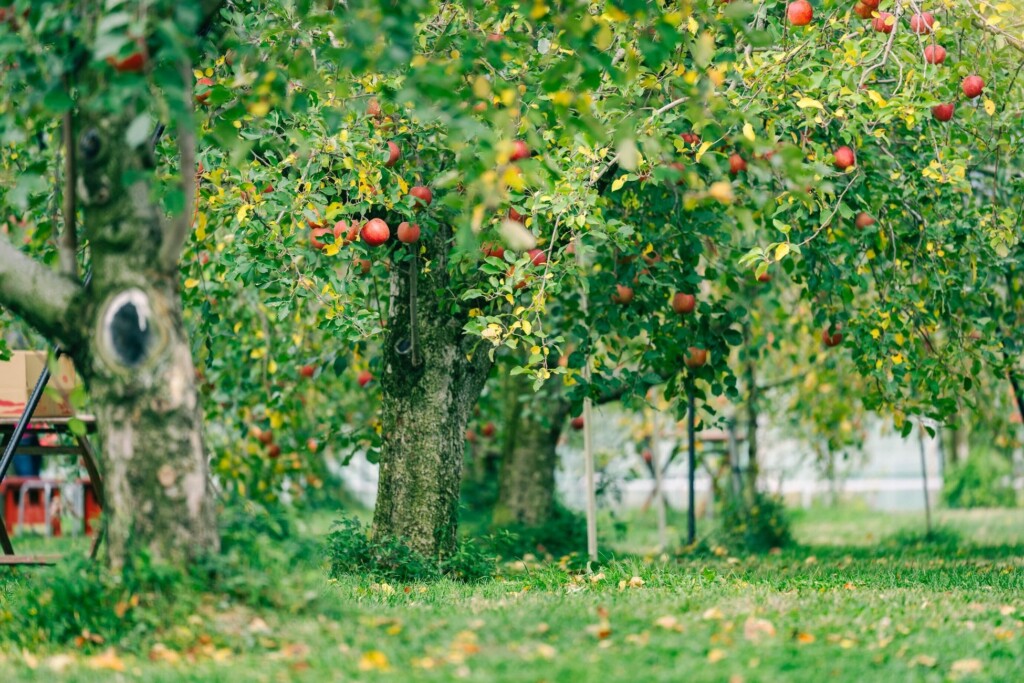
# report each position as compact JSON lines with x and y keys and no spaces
{"x":924,"y":480}
{"x":691,"y":512}
{"x":659,"y":492}
{"x":588,"y":436}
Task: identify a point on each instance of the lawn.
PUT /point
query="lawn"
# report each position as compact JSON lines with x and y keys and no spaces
{"x":861,"y":599}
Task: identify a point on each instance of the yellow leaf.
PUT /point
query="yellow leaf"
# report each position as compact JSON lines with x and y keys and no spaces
{"x":272,"y":367}
{"x":804,"y":638}
{"x":748,"y":132}
{"x":805,"y":102}
{"x":374,"y":660}
{"x":201,"y":226}
{"x":990,"y":107}
{"x":716,"y":655}
{"x":704,"y":147}
{"x":691,"y":25}
{"x":332,"y":249}
{"x":781,"y":251}
{"x":527,"y":327}
{"x":618,"y":183}
{"x":191,"y":283}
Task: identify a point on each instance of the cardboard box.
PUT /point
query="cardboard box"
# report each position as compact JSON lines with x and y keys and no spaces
{"x":18,"y":378}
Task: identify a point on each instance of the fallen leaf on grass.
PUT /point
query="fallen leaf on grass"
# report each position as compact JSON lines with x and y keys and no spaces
{"x":924,"y":660}
{"x":966,"y":666}
{"x":1007,"y":610}
{"x":597,"y":577}
{"x":1002,"y":633}
{"x":161,"y":653}
{"x":107,"y":660}
{"x":374,"y":660}
{"x":545,"y":651}
{"x":716,"y":655}
{"x":712,"y":613}
{"x":600,"y":630}
{"x":755,"y":629}
{"x":669,"y":623}
{"x":59,"y":663}
{"x":805,"y":638}
{"x":257,"y":625}
{"x":639,"y":639}
{"x":634,"y":582}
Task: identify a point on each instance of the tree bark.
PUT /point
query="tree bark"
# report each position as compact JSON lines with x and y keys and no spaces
{"x":432,"y":377}
{"x":136,"y":361}
{"x":526,"y":490}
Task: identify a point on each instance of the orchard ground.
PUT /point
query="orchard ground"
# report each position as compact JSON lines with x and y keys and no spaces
{"x":862,"y":597}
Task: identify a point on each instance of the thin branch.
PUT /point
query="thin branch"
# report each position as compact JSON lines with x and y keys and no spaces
{"x":68,"y":245}
{"x":38,"y":295}
{"x":982,"y":23}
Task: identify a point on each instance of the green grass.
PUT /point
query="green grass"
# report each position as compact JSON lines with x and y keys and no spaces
{"x":864,"y":599}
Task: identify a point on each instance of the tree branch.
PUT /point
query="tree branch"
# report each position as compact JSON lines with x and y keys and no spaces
{"x":68,"y":244}
{"x":177,"y":230}
{"x":38,"y":295}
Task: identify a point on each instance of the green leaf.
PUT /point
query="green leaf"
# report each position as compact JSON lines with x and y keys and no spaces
{"x":139,"y":130}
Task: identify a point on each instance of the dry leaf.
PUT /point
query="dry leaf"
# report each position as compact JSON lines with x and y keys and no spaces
{"x":161,"y":653}
{"x":966,"y":666}
{"x":108,"y":660}
{"x":1007,"y":610}
{"x":805,"y":638}
{"x":924,"y":660}
{"x":257,"y":625}
{"x":597,"y":577}
{"x":713,"y":613}
{"x":755,"y":629}
{"x":716,"y":655}
{"x":669,"y":623}
{"x":545,"y":651}
{"x":374,"y":660}
{"x":636,"y":582}
{"x":59,"y":663}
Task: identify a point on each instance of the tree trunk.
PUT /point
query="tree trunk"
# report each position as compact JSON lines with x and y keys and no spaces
{"x":138,"y":368}
{"x":526,"y":490}
{"x":136,"y":362}
{"x":750,"y":372}
{"x":432,"y":378}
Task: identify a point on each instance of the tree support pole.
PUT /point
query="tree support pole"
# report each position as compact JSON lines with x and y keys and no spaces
{"x":691,"y":511}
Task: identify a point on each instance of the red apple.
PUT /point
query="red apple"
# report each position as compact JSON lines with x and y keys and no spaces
{"x":647,"y":455}
{"x":577,"y":423}
{"x":834,"y":339}
{"x":863,"y":11}
{"x":266,"y":437}
{"x":470,"y":436}
{"x":943,"y":112}
{"x":690,"y":138}
{"x":373,"y":107}
{"x":683,"y":303}
{"x":882,"y":22}
{"x":363,"y":266}
{"x":364,"y":378}
{"x":844,"y":158}
{"x":864,"y":220}
{"x":737,"y":164}
{"x":538,"y":257}
{"x":515,"y":215}
{"x":488,"y":430}
{"x":800,"y":13}
{"x":408,"y":232}
{"x":493,"y":249}
{"x":764,"y":277}
{"x":314,"y":237}
{"x":307,"y":371}
{"x":423,"y":196}
{"x":696,"y":357}
{"x":376,"y":232}
{"x":934,"y":54}
{"x":623,"y":295}
{"x":922,"y":23}
{"x":133,"y":63}
{"x":972,"y":86}
{"x":519,"y":151}
{"x":205,"y":95}
{"x":345,"y":233}
{"x":394,"y":154}
{"x":274,"y":452}
{"x":873,"y":4}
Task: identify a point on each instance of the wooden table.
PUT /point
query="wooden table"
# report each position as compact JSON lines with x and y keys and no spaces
{"x":81,"y":447}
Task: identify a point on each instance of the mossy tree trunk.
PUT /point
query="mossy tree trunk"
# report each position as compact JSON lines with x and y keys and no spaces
{"x":432,"y":377}
{"x":526,"y":490}
{"x":124,"y":329}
